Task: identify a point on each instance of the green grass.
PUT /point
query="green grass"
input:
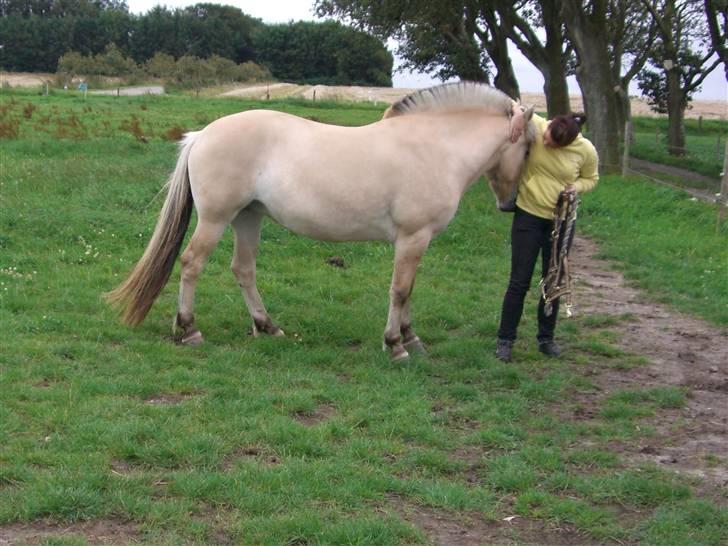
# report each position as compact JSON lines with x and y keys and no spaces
{"x":664,"y":241}
{"x":315,"y":438}
{"x":705,"y":145}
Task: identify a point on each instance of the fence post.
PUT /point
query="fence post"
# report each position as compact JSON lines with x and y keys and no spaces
{"x":717,"y":149}
{"x":723,"y":197}
{"x":625,"y":155}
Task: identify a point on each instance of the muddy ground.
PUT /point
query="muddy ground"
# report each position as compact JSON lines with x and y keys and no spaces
{"x":682,"y":351}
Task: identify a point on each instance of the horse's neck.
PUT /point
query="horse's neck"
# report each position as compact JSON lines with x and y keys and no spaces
{"x":477,"y":140}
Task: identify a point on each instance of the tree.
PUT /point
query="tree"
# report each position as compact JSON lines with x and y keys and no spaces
{"x":193,"y":72}
{"x":33,"y":44}
{"x":448,"y":38}
{"x":684,"y":52}
{"x":521,"y":21}
{"x":326,"y":53}
{"x":212,"y":29}
{"x":161,"y":66}
{"x":112,"y":62}
{"x":716,"y":12}
{"x":465,"y":38}
{"x":599,"y":30}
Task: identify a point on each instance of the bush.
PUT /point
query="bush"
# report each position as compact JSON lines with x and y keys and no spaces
{"x":188,"y":72}
{"x":112,"y":62}
{"x":251,"y":72}
{"x":161,"y":66}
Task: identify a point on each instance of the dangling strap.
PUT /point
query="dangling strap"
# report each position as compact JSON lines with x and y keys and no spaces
{"x":557,"y":281}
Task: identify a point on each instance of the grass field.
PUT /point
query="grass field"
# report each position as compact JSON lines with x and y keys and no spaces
{"x":316,"y":438}
{"x":704,"y":142}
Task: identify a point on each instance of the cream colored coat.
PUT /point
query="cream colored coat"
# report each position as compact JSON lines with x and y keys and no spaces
{"x":399,"y":180}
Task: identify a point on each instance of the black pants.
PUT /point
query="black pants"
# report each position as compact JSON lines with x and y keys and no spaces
{"x":530,"y":235}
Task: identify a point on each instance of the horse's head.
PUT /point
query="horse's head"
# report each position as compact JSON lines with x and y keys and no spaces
{"x":506,"y":173}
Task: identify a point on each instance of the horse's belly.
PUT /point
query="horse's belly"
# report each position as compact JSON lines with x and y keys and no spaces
{"x":332,"y":223}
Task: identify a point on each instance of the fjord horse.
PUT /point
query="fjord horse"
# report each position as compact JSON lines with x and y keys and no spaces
{"x":398,"y":180}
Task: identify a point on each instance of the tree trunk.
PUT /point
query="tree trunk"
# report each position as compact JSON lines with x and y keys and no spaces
{"x":675,"y":112}
{"x":496,"y":44}
{"x":625,"y":108}
{"x":556,"y":89}
{"x":602,"y":114}
{"x":549,"y":58}
{"x":505,"y":79}
{"x":554,"y":70}
{"x":594,"y":75}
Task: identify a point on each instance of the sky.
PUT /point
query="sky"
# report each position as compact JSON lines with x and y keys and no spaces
{"x":529,"y":79}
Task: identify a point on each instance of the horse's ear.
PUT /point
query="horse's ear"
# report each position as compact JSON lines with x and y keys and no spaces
{"x":520,"y":116}
{"x":518,"y":122}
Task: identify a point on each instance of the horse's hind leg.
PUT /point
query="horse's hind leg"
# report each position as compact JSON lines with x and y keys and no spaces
{"x":408,"y":251}
{"x":246,"y":227}
{"x":202,"y":243}
{"x":411,"y":341}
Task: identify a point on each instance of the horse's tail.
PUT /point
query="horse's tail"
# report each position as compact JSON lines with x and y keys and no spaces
{"x":135,"y":296}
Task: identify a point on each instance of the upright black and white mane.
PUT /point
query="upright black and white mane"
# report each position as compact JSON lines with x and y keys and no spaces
{"x":453,"y":95}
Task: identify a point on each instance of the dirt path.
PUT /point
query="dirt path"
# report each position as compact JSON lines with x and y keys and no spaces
{"x":705,"y":188}
{"x":682,"y":351}
{"x":132,"y":91}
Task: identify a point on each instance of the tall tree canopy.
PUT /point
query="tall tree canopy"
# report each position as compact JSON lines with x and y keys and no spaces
{"x":35,"y":34}
{"x":448,"y":38}
{"x":324,"y":53}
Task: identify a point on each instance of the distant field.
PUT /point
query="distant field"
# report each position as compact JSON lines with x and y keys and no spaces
{"x":707,"y":109}
{"x":107,"y":431}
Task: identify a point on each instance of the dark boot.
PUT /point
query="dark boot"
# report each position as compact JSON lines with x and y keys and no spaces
{"x":503,"y":349}
{"x":549,"y":348}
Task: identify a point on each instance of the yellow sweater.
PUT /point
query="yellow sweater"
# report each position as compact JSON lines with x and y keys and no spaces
{"x":548,"y":171}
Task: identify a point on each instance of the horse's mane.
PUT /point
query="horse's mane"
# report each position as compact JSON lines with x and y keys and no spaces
{"x":452,"y":95}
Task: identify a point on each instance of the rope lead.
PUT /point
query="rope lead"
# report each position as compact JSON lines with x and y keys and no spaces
{"x":557,"y":281}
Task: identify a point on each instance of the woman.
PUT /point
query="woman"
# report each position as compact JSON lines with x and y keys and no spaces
{"x":560,"y":160}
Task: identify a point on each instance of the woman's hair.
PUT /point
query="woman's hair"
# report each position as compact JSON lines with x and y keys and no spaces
{"x":564,"y":129}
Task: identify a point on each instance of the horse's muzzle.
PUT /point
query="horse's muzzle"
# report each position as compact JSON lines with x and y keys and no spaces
{"x":508,"y":206}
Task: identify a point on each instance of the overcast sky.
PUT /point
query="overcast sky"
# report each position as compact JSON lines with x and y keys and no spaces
{"x":283,"y":11}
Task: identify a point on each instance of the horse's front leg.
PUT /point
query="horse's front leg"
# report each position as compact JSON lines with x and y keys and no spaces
{"x":408,"y":251}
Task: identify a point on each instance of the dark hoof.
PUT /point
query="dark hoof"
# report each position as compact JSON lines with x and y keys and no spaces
{"x":397,"y":352}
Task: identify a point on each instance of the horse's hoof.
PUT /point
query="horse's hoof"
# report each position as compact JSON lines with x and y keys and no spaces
{"x":191,"y":339}
{"x":415,"y":346}
{"x":399,"y":354}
